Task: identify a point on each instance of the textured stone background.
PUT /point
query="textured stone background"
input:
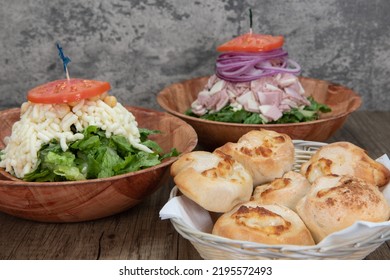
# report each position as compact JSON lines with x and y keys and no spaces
{"x":143,"y":46}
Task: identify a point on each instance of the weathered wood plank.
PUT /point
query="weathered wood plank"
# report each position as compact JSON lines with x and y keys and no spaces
{"x":139,"y":233}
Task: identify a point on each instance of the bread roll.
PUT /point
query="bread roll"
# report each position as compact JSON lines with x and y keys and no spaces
{"x":264,"y":153}
{"x":268,"y":224}
{"x":286,"y":191}
{"x":336,"y":202}
{"x":344,"y":158}
{"x":199,"y":160}
{"x":215,"y":181}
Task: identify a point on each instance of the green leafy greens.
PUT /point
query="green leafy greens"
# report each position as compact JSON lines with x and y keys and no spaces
{"x":300,"y":114}
{"x":95,"y":156}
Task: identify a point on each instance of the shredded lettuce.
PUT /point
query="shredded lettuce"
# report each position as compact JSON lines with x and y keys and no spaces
{"x":95,"y":156}
{"x":231,"y":115}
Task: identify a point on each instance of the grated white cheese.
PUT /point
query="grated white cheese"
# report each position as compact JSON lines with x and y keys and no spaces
{"x":40,"y":123}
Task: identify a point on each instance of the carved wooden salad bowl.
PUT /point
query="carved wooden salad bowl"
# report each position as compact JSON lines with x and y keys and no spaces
{"x":177,"y":98}
{"x":74,"y":201}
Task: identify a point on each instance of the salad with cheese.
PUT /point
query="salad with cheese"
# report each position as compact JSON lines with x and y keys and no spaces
{"x":255,"y":83}
{"x":74,"y":130}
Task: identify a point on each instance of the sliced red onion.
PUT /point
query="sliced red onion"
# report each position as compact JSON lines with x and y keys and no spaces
{"x":245,"y":67}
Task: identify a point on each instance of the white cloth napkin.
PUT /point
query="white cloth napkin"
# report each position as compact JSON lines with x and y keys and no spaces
{"x":191,"y":213}
{"x":198,"y":218}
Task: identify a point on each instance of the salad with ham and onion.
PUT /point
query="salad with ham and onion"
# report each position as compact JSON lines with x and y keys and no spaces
{"x":255,"y":82}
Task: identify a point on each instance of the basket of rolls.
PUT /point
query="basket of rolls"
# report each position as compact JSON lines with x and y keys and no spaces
{"x":269,"y":197}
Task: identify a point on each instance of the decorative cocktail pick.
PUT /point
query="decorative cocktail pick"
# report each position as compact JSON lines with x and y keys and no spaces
{"x":250,"y":21}
{"x":65,"y":60}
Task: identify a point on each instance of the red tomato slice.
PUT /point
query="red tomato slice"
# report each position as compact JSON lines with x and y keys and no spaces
{"x":251,"y":42}
{"x":64,"y":91}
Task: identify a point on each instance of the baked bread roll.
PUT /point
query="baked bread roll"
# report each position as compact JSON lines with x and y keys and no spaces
{"x":199,"y":160}
{"x":336,"y":202}
{"x":215,"y":181}
{"x":344,"y":158}
{"x":264,"y":153}
{"x":286,"y":191}
{"x":268,"y":224}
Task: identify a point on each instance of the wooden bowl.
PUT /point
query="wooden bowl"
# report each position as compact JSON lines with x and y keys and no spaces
{"x":177,"y":98}
{"x":75,"y":201}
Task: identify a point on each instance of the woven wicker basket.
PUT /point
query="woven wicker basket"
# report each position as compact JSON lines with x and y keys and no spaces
{"x":214,"y":247}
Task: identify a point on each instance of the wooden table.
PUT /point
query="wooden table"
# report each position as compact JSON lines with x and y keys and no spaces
{"x":139,"y":233}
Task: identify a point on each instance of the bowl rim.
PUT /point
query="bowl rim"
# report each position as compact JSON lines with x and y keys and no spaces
{"x":356,"y":106}
{"x":15,"y":182}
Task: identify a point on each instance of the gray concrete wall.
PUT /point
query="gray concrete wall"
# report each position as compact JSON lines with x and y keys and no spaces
{"x":142,"y":46}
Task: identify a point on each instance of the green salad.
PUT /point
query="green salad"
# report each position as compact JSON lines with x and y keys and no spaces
{"x":95,"y":156}
{"x":295,"y":115}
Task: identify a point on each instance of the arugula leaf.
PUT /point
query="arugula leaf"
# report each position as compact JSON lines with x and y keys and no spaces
{"x":108,"y":158}
{"x":90,"y":166}
{"x":123,"y":146}
{"x":138,"y":161}
{"x":172,"y":153}
{"x":317,"y":107}
{"x":89,"y":143}
{"x":228,"y":114}
{"x":253,"y":119}
{"x":39,"y":175}
{"x":144,"y":133}
{"x":152,"y":145}
{"x":231,"y":115}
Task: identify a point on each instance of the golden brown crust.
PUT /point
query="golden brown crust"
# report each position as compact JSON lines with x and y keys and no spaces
{"x":286,"y":191}
{"x":264,"y":153}
{"x":344,"y":158}
{"x":336,"y":202}
{"x":268,"y":224}
{"x":196,"y":159}
{"x":213,"y":180}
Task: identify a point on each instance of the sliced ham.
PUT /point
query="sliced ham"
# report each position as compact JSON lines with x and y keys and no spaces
{"x":198,"y":109}
{"x":238,"y":88}
{"x":245,"y":98}
{"x":290,"y":103}
{"x":271,"y":87}
{"x":212,"y":80}
{"x":286,"y":80}
{"x":252,"y":106}
{"x":213,"y":100}
{"x":217,"y":87}
{"x":293,"y":94}
{"x":284,"y":108}
{"x":271,"y":112}
{"x":248,"y":101}
{"x":270,"y":96}
{"x":203,"y":97}
{"x":260,"y":84}
{"x":223,"y":100}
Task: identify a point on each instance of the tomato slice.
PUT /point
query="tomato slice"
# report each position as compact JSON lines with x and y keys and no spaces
{"x":64,"y":91}
{"x":251,"y":42}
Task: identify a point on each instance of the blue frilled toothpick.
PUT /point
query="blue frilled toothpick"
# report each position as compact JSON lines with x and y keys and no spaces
{"x":65,"y":60}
